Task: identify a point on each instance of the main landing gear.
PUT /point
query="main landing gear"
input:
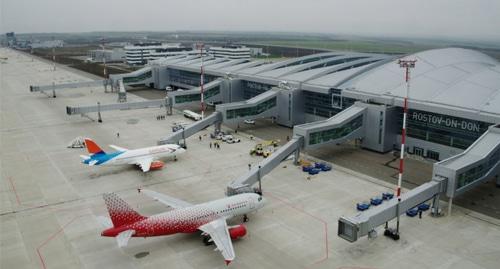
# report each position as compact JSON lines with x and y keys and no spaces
{"x":207,"y":240}
{"x":245,"y":218}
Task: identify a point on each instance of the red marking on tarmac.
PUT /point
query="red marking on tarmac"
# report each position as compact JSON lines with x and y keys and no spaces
{"x":38,"y":249}
{"x":14,"y":190}
{"x":325,"y":225}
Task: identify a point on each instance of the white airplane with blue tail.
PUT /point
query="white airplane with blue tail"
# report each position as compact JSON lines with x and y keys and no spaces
{"x":146,"y":158}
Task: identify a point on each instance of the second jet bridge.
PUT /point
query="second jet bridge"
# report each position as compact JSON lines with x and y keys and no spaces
{"x":478,"y":163}
{"x":211,"y":94}
{"x":246,"y":181}
{"x":263,"y":105}
{"x":345,"y":125}
{"x":341,"y":127}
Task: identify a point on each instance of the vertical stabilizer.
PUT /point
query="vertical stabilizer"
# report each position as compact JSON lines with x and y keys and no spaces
{"x":92,"y":147}
{"x":120,"y":212}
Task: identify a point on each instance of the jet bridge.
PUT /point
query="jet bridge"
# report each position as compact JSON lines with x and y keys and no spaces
{"x":337,"y":129}
{"x":453,"y":176}
{"x":174,"y":138}
{"x":84,"y":110}
{"x":143,"y":76}
{"x":478,"y":163}
{"x":68,"y":86}
{"x":346,"y":125}
{"x":211,"y":93}
{"x":244,"y":182}
{"x":261,"y":106}
{"x":352,"y":228}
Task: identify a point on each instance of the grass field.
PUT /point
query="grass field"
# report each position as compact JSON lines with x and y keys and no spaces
{"x":350,"y":45}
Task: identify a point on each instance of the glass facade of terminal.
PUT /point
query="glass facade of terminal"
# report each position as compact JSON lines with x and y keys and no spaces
{"x":141,"y":77}
{"x":478,"y":171}
{"x":335,"y":133}
{"x":443,"y":129}
{"x":179,"y":99}
{"x":251,"y":111}
{"x":326,"y":105}
{"x":189,"y":78}
{"x":252,"y":89}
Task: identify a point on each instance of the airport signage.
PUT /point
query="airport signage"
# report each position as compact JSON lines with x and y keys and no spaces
{"x":446,"y":121}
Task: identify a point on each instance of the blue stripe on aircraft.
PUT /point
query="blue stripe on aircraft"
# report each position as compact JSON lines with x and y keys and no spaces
{"x":102,"y":157}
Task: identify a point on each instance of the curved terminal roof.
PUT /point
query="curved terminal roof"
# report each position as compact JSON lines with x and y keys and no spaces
{"x":447,"y":81}
{"x":455,"y":78}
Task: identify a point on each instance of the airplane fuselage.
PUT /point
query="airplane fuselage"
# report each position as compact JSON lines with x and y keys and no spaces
{"x":131,"y":156}
{"x":189,"y":219}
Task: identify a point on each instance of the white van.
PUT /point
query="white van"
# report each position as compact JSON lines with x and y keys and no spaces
{"x":191,"y":115}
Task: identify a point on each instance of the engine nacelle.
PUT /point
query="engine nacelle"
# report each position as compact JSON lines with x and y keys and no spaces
{"x":237,"y":231}
{"x":156,"y":165}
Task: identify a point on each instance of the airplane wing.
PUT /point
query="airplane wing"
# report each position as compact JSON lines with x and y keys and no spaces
{"x":165,"y":199}
{"x":219,"y":233}
{"x":118,"y":148}
{"x":144,"y":163}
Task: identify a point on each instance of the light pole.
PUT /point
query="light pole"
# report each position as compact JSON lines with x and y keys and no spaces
{"x":407,"y":65}
{"x":202,"y":81}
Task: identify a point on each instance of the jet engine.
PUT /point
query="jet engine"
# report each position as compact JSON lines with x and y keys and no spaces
{"x":237,"y":231}
{"x":156,"y":165}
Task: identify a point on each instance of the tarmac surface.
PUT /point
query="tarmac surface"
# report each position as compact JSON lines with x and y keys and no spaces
{"x":50,"y":201}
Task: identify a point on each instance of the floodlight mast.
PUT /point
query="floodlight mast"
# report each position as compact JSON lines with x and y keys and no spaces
{"x":105,"y":71}
{"x":202,"y":81}
{"x":407,"y":65}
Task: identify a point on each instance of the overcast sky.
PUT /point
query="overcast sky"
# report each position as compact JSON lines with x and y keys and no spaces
{"x":456,"y":19}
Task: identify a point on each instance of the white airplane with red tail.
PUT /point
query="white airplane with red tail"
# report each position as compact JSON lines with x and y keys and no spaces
{"x":209,"y":218}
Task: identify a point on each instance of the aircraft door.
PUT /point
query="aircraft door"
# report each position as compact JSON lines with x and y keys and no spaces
{"x":251,"y":203}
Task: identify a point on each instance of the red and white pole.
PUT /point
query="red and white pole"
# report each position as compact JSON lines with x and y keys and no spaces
{"x":202,"y":81}
{"x":407,"y":64}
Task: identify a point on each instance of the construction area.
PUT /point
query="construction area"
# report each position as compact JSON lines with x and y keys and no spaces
{"x":49,"y":212}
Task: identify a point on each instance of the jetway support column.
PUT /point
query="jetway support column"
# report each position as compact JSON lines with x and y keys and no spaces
{"x":296,"y":156}
{"x":450,"y":204}
{"x":436,"y":210}
{"x":217,"y":127}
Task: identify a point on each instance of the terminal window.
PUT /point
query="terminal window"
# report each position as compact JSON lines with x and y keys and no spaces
{"x":443,"y":129}
{"x":326,"y":105}
{"x":189,"y":78}
{"x":252,"y":89}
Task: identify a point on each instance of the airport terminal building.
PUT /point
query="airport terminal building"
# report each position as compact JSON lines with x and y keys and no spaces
{"x":454,"y":97}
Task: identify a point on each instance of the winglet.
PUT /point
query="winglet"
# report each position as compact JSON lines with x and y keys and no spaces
{"x":228,"y":262}
{"x":92,"y":147}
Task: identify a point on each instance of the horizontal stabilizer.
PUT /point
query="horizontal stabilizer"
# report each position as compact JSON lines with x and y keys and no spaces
{"x":123,"y":237}
{"x":105,"y":222}
{"x":117,"y":148}
{"x":84,"y":157}
{"x":93,"y":162}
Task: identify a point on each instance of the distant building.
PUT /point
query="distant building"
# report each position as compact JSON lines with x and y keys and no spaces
{"x":11,"y":39}
{"x":47,"y":44}
{"x":114,"y":55}
{"x":142,"y":53}
{"x":256,"y":51}
{"x":230,"y":52}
